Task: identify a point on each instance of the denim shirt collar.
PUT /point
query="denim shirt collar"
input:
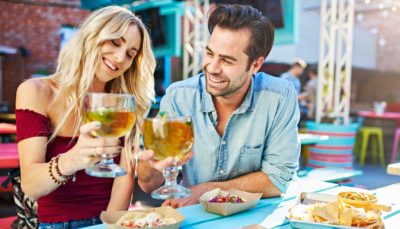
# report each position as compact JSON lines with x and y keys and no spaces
{"x":207,"y":104}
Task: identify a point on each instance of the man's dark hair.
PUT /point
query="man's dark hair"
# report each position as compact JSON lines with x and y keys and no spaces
{"x":235,"y":17}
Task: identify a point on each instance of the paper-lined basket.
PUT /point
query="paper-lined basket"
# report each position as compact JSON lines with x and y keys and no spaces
{"x":225,"y":209}
{"x":110,"y":218}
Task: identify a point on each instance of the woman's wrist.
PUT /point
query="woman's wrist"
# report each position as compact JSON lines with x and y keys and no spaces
{"x":64,"y":165}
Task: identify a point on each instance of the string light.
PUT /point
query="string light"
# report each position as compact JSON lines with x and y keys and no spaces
{"x":392,"y":5}
{"x":382,"y":41}
{"x":386,"y":8}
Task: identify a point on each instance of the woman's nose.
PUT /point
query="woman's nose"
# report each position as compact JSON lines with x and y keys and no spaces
{"x":119,"y":56}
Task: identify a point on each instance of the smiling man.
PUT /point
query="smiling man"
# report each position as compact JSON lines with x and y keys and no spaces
{"x":245,"y":121}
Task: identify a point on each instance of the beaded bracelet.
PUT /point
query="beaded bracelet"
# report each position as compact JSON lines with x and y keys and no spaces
{"x":52,"y":175}
{"x":66,"y":177}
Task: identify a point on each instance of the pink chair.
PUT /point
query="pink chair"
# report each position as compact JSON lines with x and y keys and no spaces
{"x":395,"y":145}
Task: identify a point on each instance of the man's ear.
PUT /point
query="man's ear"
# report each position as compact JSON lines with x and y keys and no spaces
{"x":257,"y":64}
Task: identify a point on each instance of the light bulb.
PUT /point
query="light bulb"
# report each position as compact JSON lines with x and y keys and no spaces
{"x":373,"y":30}
{"x":382,"y":42}
{"x":385,"y":13}
{"x":360,"y":17}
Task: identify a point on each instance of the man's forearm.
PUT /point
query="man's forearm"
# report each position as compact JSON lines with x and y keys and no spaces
{"x":253,"y":182}
{"x":148,"y":178}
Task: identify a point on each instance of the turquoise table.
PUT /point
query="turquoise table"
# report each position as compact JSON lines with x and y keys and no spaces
{"x":276,"y":209}
{"x":196,"y":217}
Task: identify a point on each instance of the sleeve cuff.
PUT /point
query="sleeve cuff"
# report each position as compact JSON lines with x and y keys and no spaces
{"x":280,"y":177}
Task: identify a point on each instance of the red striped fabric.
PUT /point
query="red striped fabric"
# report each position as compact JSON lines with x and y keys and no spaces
{"x":333,"y":147}
{"x":319,"y":166}
{"x":331,"y":158}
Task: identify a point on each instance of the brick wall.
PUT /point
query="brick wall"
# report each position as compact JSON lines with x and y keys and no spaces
{"x":35,"y":26}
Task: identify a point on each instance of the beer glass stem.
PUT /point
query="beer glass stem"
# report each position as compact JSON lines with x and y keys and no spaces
{"x":106,"y":168}
{"x":106,"y":161}
{"x":170,"y":174}
{"x":171,"y":190}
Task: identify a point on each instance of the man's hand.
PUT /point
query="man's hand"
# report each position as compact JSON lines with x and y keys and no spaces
{"x":150,"y":171}
{"x":197,"y":191}
{"x":148,"y":157}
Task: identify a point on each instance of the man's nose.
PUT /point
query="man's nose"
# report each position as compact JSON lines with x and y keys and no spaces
{"x":213,"y":67}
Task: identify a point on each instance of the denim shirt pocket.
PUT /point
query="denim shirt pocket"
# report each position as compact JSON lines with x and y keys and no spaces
{"x":250,"y":159}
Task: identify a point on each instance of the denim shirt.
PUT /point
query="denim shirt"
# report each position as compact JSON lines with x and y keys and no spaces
{"x":261,"y":135}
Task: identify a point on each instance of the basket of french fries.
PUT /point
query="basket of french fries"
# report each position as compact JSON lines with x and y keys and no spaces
{"x":346,"y":210}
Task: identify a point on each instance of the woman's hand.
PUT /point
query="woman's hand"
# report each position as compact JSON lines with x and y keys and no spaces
{"x":88,"y":150}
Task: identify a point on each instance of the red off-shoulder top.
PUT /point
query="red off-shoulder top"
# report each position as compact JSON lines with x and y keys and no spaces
{"x":83,"y":199}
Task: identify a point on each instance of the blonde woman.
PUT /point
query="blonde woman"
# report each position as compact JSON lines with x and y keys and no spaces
{"x":110,"y":53}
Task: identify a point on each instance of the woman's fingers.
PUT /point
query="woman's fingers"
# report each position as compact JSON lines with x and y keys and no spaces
{"x":107,"y":150}
{"x":102,"y":142}
{"x":86,"y":128}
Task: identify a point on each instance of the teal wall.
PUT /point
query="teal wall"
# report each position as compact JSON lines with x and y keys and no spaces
{"x":288,"y":34}
{"x":170,"y":11}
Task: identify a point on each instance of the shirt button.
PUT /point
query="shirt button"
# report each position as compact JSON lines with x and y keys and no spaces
{"x":223,"y":142}
{"x":221,"y":171}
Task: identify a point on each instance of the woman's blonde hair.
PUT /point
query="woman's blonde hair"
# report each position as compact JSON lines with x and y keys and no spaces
{"x":78,"y":60}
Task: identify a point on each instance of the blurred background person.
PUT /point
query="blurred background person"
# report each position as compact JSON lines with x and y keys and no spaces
{"x":309,"y":97}
{"x":294,"y":72}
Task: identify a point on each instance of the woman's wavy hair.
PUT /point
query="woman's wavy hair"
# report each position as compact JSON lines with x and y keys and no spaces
{"x":79,"y":58}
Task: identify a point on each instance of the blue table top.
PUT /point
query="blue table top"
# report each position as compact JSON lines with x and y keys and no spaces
{"x":196,"y":217}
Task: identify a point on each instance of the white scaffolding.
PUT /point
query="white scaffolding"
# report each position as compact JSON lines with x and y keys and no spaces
{"x":334,"y":67}
{"x":195,"y":36}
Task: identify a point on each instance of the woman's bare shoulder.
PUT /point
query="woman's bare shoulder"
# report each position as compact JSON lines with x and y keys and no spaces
{"x":35,"y":94}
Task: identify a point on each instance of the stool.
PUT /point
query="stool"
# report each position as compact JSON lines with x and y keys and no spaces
{"x":395,"y":145}
{"x":7,"y":221}
{"x":377,"y":144}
